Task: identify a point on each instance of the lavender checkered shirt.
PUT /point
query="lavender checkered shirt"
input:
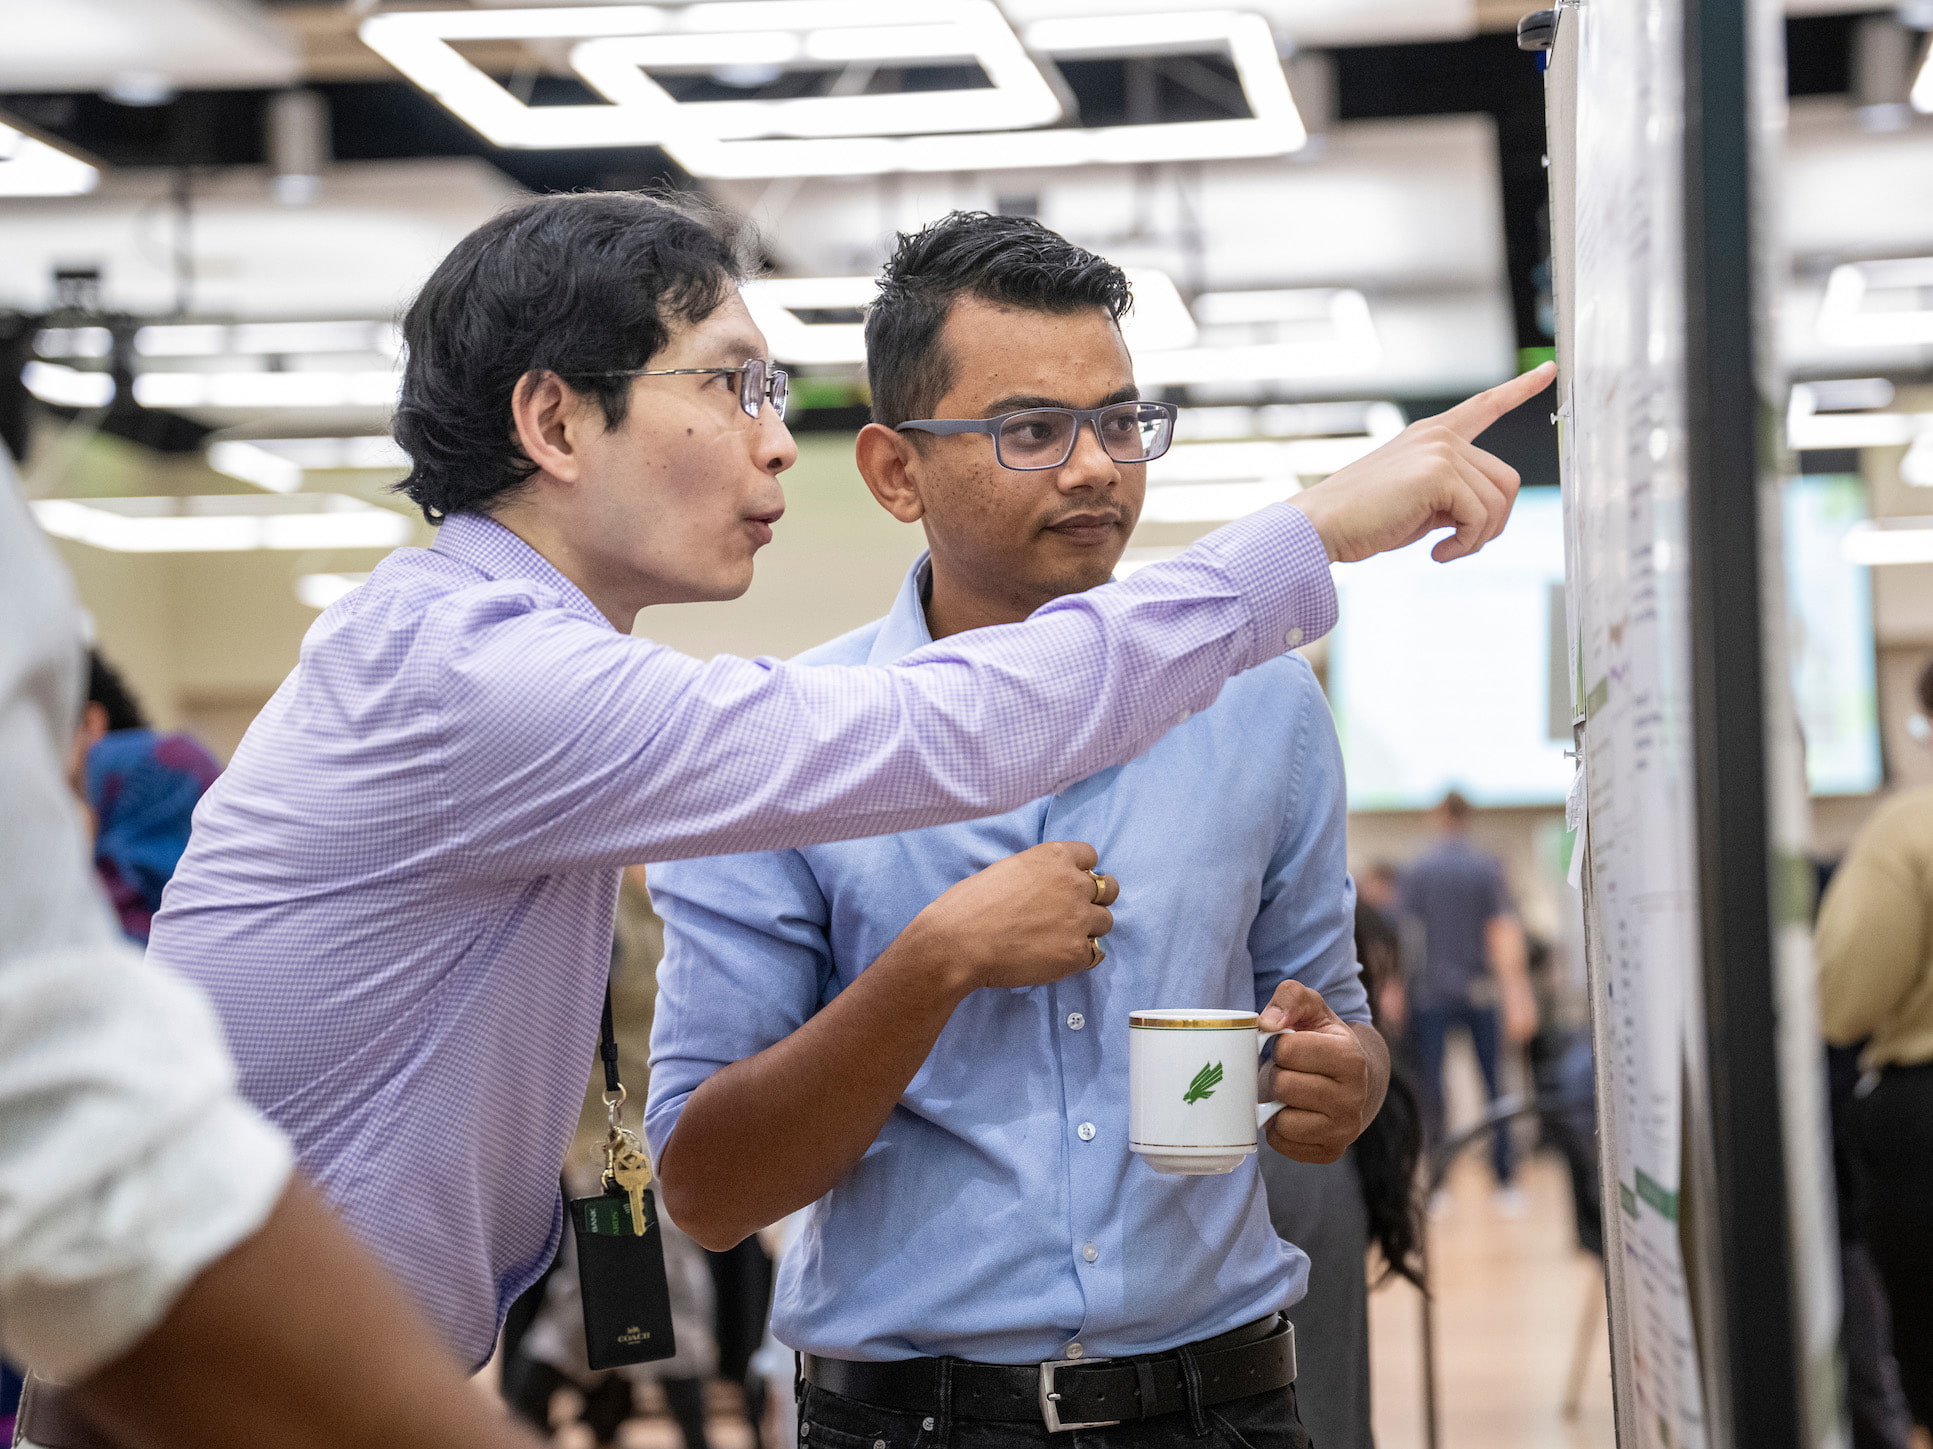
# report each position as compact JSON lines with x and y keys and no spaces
{"x":400,"y":894}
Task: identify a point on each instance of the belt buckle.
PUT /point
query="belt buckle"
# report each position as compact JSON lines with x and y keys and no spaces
{"x":1050,"y":1396}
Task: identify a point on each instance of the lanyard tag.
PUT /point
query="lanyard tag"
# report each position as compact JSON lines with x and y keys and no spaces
{"x":621,"y":1278}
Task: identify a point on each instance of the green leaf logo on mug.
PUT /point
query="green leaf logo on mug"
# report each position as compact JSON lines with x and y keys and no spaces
{"x":1204,"y":1084}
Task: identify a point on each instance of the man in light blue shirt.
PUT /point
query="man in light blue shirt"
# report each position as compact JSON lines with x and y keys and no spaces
{"x":883,"y":1030}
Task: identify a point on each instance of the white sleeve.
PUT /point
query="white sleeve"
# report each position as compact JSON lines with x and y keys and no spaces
{"x":127,"y":1162}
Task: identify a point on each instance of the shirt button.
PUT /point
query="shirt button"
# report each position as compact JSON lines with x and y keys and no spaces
{"x":1293,"y":638}
{"x":927,"y":1423}
{"x":1085,"y":1131}
{"x":1074,"y":1350}
{"x":1075,"y":1021}
{"x":1090,"y":1252}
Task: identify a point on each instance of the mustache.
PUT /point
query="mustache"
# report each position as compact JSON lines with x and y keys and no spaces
{"x":1112,"y":513}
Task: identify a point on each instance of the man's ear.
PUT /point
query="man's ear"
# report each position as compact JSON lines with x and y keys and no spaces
{"x":889,"y":462}
{"x":547,"y":415}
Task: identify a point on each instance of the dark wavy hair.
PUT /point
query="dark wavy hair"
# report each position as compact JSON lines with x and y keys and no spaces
{"x":1009,"y":259}
{"x":106,"y":688}
{"x":585,"y":283}
{"x":1390,"y":1151}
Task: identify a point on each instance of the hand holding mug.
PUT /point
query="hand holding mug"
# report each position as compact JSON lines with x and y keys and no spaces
{"x":1320,"y":1076}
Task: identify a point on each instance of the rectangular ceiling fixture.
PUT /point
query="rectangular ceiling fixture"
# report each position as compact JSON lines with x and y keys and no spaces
{"x":985,"y":128}
{"x":279,"y":464}
{"x":1276,"y":335}
{"x":1890,"y":541}
{"x":223,"y":523}
{"x":1230,"y":461}
{"x":617,"y":41}
{"x":1878,"y":304}
{"x":31,"y":167}
{"x":781,"y":306}
{"x":1846,"y":413}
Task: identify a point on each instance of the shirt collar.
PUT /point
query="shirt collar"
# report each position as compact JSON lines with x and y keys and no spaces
{"x":904,"y":628}
{"x":498,"y":554}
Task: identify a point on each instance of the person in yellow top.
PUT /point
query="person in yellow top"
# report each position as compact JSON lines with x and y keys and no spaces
{"x":1874,"y":946}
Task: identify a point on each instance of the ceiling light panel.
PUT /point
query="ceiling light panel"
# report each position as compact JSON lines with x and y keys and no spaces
{"x":1890,"y":541}
{"x":618,"y":41}
{"x":280,"y":464}
{"x":969,"y":33}
{"x":1159,"y":320}
{"x":1878,"y":304}
{"x":1273,"y":128}
{"x":31,"y":167}
{"x":959,"y":130}
{"x":224,"y":523}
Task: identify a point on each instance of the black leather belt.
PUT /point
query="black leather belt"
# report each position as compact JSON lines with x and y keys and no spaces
{"x":1080,"y":1393}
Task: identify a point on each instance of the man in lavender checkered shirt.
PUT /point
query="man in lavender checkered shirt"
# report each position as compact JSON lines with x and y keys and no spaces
{"x":400,"y":893}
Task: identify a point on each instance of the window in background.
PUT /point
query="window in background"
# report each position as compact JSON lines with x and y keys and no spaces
{"x":1453,"y":677}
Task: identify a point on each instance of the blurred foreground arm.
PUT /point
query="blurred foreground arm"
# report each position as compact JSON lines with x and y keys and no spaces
{"x":294,"y":1340}
{"x":152,"y":1248}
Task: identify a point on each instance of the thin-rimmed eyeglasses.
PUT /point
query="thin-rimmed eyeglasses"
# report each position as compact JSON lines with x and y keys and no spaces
{"x":1041,"y":438}
{"x":758,"y":381}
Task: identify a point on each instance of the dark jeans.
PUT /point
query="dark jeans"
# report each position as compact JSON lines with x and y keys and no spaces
{"x":1261,"y":1421}
{"x":1430,"y":1027}
{"x":1895,"y":1129}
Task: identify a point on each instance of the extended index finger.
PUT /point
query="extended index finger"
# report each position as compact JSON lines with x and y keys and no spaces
{"x":1471,"y":416}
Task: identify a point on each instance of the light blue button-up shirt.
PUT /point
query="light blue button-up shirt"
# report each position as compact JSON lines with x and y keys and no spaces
{"x":1000,"y":1215}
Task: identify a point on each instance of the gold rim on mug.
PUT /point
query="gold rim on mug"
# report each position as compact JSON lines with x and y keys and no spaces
{"x":1234,"y":1021}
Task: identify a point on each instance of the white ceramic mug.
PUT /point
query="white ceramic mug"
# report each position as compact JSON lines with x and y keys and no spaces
{"x":1194,"y":1074}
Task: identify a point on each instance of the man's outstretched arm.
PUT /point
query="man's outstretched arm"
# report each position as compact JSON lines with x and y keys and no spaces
{"x":616,"y":752}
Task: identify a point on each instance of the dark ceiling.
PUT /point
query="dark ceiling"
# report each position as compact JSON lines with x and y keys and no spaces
{"x":388,"y":120}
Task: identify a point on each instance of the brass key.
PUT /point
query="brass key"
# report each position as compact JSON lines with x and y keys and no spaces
{"x":632,"y":1173}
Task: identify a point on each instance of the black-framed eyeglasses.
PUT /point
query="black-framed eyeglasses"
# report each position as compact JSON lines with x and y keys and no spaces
{"x":1041,"y":438}
{"x":758,"y":381}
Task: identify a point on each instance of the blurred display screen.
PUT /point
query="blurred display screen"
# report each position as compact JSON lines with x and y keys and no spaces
{"x":1454,"y":677}
{"x":1829,"y":607}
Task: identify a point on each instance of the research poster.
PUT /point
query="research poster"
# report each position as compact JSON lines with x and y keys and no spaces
{"x":1615,"y":150}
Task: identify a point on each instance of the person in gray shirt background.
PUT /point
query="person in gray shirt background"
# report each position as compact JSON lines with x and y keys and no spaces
{"x":1466,"y":967}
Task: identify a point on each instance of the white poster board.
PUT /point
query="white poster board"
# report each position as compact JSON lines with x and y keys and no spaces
{"x":1616,"y":182}
{"x":1619,"y":209}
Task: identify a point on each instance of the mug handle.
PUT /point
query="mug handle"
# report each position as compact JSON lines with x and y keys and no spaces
{"x":1265,"y":1110}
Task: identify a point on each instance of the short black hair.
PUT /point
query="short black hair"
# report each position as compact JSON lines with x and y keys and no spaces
{"x":1008,"y":259}
{"x":106,"y":688}
{"x":577,"y":284}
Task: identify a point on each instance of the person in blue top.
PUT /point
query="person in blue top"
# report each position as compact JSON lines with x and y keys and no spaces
{"x":141,"y":787}
{"x":901,"y":1036}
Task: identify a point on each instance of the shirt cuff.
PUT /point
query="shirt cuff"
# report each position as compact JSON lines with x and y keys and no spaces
{"x":1280,"y":564}
{"x":197,"y":1197}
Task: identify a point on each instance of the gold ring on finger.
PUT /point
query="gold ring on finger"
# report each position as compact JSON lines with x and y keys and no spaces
{"x":1100,"y":887}
{"x":1094,"y":946}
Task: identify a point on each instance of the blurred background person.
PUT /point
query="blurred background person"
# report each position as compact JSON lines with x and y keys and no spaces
{"x":1874,"y":954}
{"x":141,"y":786}
{"x":1469,"y":970}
